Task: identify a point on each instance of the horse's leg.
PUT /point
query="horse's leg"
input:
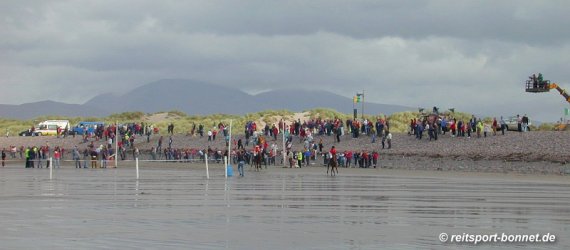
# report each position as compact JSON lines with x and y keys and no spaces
{"x":335,"y":167}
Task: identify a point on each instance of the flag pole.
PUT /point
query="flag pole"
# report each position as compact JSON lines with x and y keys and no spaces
{"x":362,"y":101}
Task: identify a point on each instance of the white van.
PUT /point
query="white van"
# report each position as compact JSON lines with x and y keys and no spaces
{"x":49,"y":127}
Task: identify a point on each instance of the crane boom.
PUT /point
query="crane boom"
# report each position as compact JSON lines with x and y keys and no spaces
{"x":560,"y":90}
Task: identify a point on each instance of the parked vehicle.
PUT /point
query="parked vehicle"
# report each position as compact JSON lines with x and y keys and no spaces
{"x":513,"y":125}
{"x":50,"y":127}
{"x":28,"y":133}
{"x":89,"y":127}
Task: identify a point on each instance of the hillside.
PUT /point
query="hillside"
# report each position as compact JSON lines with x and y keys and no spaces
{"x":31,"y":110}
{"x":194,"y":98}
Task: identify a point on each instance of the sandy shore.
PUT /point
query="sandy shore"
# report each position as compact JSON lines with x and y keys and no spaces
{"x":536,"y":152}
{"x":171,"y":207}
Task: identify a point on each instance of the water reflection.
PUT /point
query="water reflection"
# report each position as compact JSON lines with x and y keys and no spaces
{"x":179,"y":208}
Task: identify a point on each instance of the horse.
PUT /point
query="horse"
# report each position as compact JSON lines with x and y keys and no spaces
{"x":257,"y":158}
{"x":333,"y":165}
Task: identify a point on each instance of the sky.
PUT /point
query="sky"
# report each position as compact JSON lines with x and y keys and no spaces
{"x":473,"y":56}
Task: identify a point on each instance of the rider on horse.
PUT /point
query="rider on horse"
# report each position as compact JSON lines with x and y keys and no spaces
{"x":333,"y":161}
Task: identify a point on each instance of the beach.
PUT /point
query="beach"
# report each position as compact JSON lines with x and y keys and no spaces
{"x":176,"y":207}
{"x":536,"y":152}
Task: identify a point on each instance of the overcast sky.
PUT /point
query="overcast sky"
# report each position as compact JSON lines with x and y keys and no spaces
{"x":470,"y":55}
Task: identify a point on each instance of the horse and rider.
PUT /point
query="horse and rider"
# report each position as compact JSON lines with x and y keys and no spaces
{"x":333,"y":162}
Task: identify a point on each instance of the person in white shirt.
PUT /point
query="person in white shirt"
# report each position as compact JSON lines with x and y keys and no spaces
{"x":389,"y":140}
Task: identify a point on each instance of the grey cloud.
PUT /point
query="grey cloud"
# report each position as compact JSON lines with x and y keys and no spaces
{"x":417,"y":53}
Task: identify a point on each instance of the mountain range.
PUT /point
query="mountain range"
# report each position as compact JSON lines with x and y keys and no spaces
{"x":194,"y":98}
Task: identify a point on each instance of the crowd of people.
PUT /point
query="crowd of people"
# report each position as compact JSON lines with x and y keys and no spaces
{"x":254,"y":138}
{"x":254,"y":144}
{"x":436,"y":125}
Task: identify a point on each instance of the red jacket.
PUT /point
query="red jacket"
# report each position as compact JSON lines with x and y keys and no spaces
{"x":333,"y":151}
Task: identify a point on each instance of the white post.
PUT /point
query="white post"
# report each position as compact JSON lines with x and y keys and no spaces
{"x":207,"y":171}
{"x":50,"y":165}
{"x":137,"y":166}
{"x":116,"y":143}
{"x":226,"y":163}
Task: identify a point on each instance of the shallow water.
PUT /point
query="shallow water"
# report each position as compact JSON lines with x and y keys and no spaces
{"x":178,"y":208}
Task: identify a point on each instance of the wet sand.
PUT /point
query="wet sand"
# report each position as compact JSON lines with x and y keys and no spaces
{"x":173,"y":206}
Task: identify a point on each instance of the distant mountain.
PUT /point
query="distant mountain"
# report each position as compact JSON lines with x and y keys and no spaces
{"x":195,"y":98}
{"x":191,"y":97}
{"x":31,"y":110}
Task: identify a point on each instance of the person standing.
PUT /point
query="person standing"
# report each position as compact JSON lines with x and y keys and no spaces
{"x":33,"y":151}
{"x":56,"y":158}
{"x":159,"y":145}
{"x":27,"y":154}
{"x":3,"y":157}
{"x":13,"y":151}
{"x":479,"y":128}
{"x":94,"y":156}
{"x":495,"y":126}
{"x":375,"y":156}
{"x":240,"y":144}
{"x":201,"y":130}
{"x":389,"y":139}
{"x":153,"y":153}
{"x":39,"y":154}
{"x":307,"y":157}
{"x":486,"y":129}
{"x":300,"y":158}
{"x":241,"y":162}
{"x":525,"y":123}
{"x":76,"y":157}
{"x":86,"y":157}
{"x":503,"y":125}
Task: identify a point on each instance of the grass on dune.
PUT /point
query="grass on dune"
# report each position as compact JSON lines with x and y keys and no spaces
{"x":183,"y":122}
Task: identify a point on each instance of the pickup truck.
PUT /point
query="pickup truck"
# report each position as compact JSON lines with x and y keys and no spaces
{"x":512,"y":123}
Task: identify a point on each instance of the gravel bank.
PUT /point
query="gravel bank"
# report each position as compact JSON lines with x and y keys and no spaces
{"x":531,"y":152}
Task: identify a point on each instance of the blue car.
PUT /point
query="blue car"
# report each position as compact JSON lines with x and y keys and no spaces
{"x":88,"y":127}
